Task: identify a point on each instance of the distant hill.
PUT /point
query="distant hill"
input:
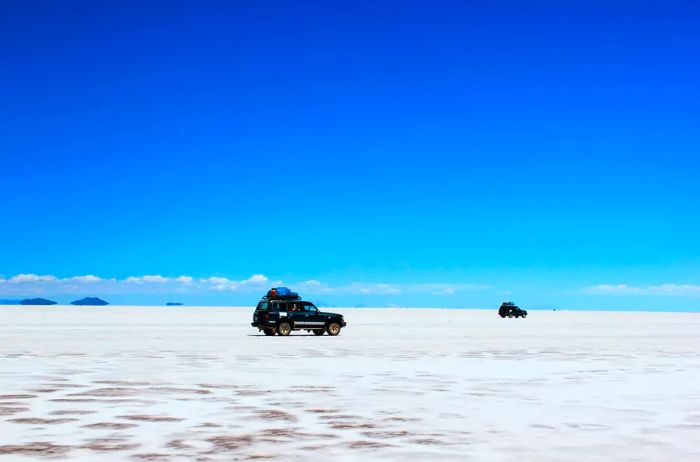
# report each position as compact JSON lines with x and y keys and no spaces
{"x":174,"y":304}
{"x":10,"y":302}
{"x":37,"y":301}
{"x":90,"y":301}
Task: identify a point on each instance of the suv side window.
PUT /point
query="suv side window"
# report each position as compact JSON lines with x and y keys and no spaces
{"x":309,"y":307}
{"x":262,"y":306}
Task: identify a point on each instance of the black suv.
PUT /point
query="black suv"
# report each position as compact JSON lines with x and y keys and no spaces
{"x":511,"y":310}
{"x":283,"y":316}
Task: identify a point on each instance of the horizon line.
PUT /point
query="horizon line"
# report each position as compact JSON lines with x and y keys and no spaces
{"x":385,"y":307}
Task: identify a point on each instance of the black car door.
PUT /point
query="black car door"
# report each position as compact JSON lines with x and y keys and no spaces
{"x":313,"y":319}
{"x":295,"y":312}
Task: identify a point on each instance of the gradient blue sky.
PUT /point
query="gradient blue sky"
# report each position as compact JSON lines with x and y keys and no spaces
{"x":451,"y":153}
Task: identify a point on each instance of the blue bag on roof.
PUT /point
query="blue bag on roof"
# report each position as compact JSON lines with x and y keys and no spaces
{"x":283,"y":292}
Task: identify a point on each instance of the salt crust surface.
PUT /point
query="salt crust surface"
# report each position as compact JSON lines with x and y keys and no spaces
{"x":181,"y":384}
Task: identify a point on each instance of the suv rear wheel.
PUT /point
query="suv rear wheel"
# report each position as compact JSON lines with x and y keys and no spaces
{"x":284,"y":328}
{"x":333,"y":328}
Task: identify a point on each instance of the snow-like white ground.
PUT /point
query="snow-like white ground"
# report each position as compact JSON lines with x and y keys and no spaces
{"x":187,"y":384}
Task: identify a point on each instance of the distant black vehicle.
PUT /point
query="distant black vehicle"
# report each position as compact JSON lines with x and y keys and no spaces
{"x":174,"y":304}
{"x":511,"y":310}
{"x":282,"y":316}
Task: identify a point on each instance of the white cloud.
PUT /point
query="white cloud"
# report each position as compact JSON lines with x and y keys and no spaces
{"x":678,"y":290}
{"x":20,"y":278}
{"x":155,"y":278}
{"x":87,"y":278}
{"x":217,"y":280}
{"x":255,"y":279}
{"x":219,"y":283}
{"x":224,"y":284}
{"x":360,"y":288}
{"x":315,"y":287}
{"x":29,"y":284}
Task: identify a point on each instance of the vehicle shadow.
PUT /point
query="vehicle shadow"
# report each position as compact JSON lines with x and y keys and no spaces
{"x":291,"y":336}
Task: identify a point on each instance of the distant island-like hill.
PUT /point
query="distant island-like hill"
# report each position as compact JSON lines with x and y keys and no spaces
{"x":90,"y":301}
{"x":37,"y":301}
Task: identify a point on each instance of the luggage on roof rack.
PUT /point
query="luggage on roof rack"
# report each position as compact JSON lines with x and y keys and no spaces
{"x":282,"y":293}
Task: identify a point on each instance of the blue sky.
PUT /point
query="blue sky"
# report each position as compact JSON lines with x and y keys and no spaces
{"x":370,"y":153}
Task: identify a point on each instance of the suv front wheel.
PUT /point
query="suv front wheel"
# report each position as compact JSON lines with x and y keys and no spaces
{"x":284,"y":328}
{"x":333,"y":328}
